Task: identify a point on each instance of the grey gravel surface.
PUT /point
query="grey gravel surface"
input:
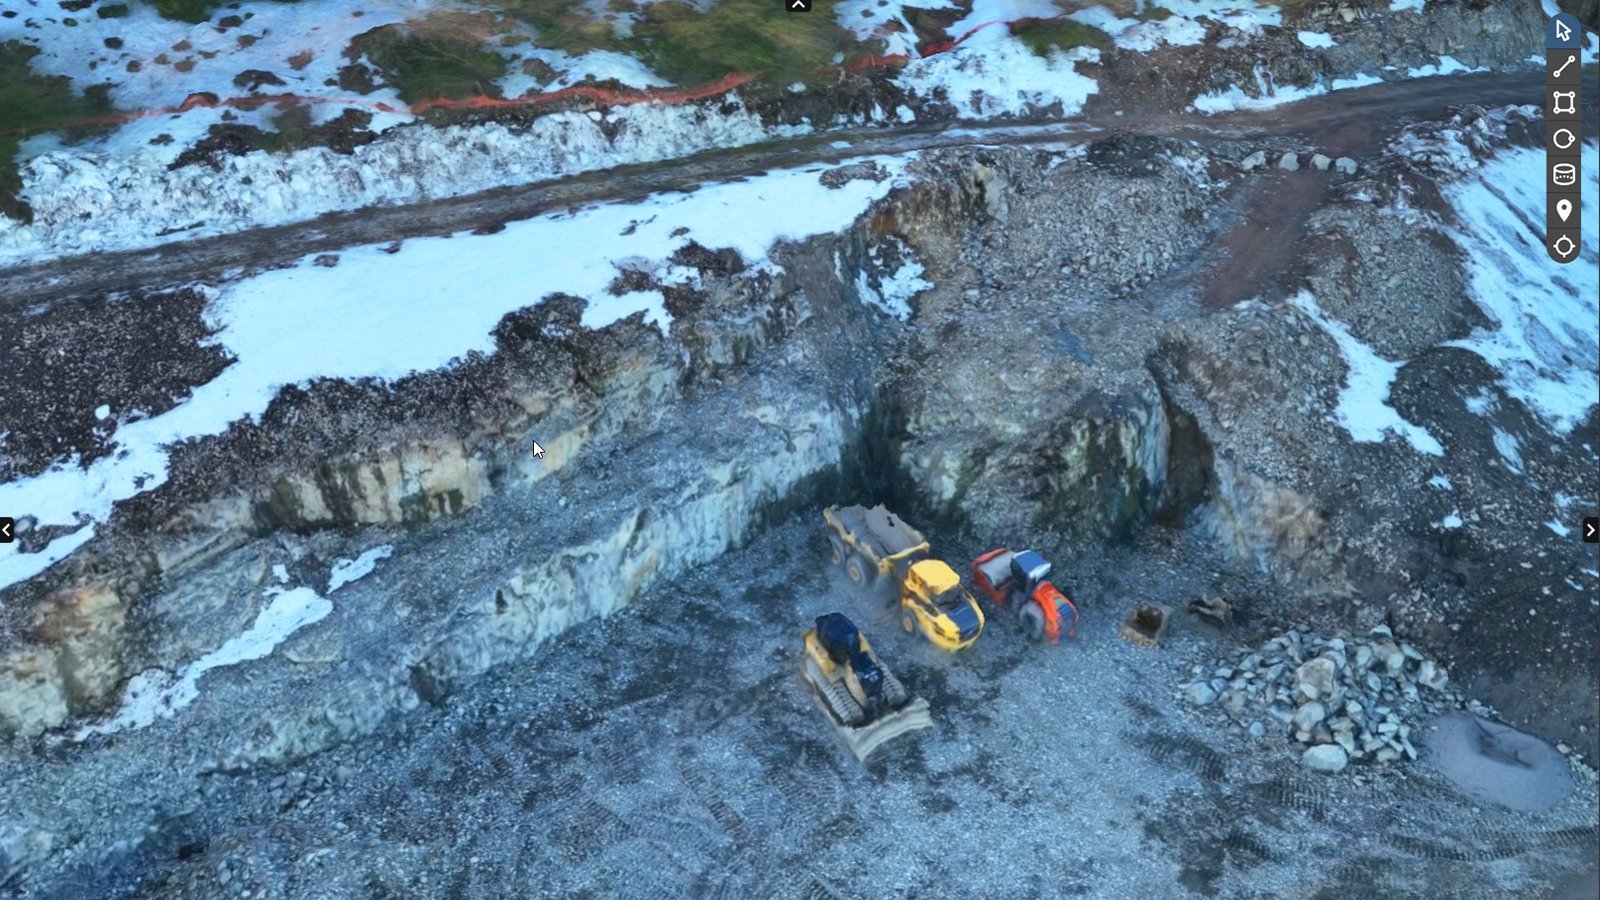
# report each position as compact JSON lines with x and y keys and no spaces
{"x":671,"y":750}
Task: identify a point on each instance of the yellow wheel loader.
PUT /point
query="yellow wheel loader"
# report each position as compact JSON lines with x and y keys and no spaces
{"x":867,"y":705}
{"x":873,"y":545}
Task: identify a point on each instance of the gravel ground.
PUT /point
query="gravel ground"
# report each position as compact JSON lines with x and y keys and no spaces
{"x":671,"y":750}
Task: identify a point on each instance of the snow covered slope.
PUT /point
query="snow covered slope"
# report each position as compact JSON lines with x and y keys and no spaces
{"x":310,"y":321}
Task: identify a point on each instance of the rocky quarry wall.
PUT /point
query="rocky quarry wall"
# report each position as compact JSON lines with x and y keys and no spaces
{"x":1057,"y":385}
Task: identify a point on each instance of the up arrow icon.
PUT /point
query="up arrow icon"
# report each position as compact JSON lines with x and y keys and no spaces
{"x":799,"y":5}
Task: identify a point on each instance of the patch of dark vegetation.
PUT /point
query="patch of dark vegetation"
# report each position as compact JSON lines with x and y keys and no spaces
{"x":431,"y":64}
{"x":33,"y":103}
{"x":292,"y":130}
{"x":688,"y":44}
{"x":139,"y":355}
{"x":720,"y":263}
{"x":1046,"y":36}
{"x":253,"y":79}
{"x":629,"y":281}
{"x":193,"y":11}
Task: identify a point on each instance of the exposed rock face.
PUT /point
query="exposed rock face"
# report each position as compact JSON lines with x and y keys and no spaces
{"x":1062,"y":382}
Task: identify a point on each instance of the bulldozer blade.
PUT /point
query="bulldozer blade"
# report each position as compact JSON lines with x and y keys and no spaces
{"x":914,"y":716}
{"x":865,"y":738}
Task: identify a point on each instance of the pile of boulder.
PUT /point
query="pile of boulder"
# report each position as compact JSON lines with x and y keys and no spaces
{"x":1338,"y":699}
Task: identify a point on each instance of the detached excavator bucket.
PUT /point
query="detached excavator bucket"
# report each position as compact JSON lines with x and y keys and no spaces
{"x":1147,"y":624}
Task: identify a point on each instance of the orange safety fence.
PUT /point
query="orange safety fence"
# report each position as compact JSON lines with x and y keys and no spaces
{"x":604,"y":96}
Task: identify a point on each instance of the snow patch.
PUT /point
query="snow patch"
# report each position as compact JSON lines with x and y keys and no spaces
{"x":994,"y":74}
{"x":1406,"y":5}
{"x":1451,"y":521}
{"x":441,"y":298}
{"x":1543,"y":342}
{"x":896,"y":289}
{"x":87,"y":201}
{"x":156,"y":694}
{"x":315,"y":35}
{"x":594,"y":65}
{"x":1316,"y":40}
{"x":1441,"y":482}
{"x":1560,"y":529}
{"x":1510,"y":450}
{"x":348,"y":570}
{"x":1364,"y":409}
{"x":885,"y":20}
{"x":1447,"y":65}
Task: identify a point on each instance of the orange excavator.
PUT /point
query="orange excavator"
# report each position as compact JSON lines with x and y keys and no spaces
{"x":1018,"y":581}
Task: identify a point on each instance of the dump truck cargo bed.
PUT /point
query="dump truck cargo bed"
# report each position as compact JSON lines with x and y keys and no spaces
{"x":877,"y":535}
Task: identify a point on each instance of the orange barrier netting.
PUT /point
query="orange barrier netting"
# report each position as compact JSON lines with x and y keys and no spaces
{"x":606,"y":96}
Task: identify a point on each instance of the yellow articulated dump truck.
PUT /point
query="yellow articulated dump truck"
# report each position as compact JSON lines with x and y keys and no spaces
{"x":874,"y":545}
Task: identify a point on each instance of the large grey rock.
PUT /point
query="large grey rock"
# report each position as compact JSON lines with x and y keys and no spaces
{"x":1330,"y":758}
{"x":1202,"y":694}
{"x":1309,"y":716}
{"x":1254,"y":161}
{"x":1345,"y":165}
{"x":1315,"y":678}
{"x":1320,"y":162}
{"x":1432,"y":676}
{"x":1289,"y":162}
{"x":1390,"y":657}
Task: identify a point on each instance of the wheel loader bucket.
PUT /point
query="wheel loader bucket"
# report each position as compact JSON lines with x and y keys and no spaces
{"x":1147,"y":624}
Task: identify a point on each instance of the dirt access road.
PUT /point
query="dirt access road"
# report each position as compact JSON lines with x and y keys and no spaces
{"x":1347,"y":121}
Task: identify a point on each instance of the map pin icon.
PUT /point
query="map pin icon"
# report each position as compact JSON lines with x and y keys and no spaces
{"x":1564,"y":208}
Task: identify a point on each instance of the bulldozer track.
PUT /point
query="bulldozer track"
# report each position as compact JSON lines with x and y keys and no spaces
{"x":1166,"y":749}
{"x":726,"y":817}
{"x":1294,"y":794}
{"x":1506,"y":844}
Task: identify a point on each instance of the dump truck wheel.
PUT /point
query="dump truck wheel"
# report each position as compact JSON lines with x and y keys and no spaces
{"x":1031,"y":618}
{"x":837,"y":547}
{"x":857,"y":569}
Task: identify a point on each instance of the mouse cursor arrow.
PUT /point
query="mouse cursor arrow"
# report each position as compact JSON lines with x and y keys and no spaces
{"x":538,"y":451}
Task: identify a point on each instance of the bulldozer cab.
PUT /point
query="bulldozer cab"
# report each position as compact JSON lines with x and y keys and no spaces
{"x":846,"y":646}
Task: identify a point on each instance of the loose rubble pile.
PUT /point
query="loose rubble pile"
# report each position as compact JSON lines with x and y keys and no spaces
{"x":1343,"y":698}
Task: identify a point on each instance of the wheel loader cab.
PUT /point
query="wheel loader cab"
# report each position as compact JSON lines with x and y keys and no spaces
{"x":1029,"y":570}
{"x":933,"y":600}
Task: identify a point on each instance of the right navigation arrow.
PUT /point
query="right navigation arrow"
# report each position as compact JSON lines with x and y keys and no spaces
{"x":1591,"y":529}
